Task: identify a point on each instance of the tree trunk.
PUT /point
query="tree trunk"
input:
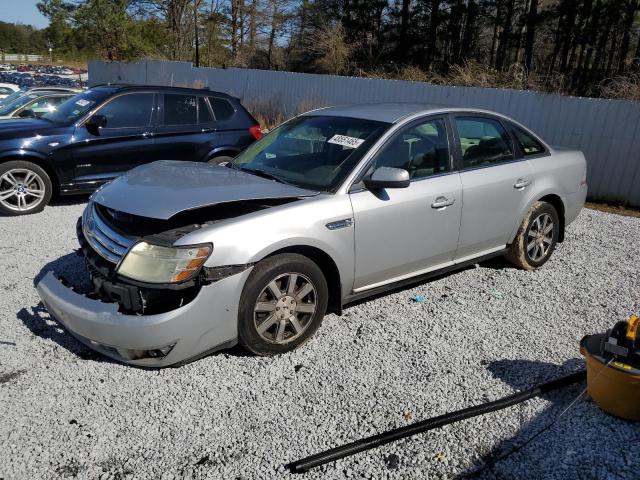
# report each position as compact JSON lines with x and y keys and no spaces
{"x":469,"y":30}
{"x":630,"y":13}
{"x":530,"y":34}
{"x":253,"y":21}
{"x":404,"y":30}
{"x":432,"y":34}
{"x":505,"y":36}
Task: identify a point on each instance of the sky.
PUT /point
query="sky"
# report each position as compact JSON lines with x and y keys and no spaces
{"x":22,"y":11}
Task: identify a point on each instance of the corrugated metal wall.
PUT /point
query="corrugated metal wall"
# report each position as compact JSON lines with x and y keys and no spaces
{"x":607,"y":131}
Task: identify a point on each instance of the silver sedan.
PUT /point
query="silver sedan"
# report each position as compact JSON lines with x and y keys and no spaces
{"x":334,"y":205}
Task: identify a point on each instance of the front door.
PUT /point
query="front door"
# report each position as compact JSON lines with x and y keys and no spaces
{"x":403,"y":232}
{"x":495,"y":184}
{"x":125,"y":142}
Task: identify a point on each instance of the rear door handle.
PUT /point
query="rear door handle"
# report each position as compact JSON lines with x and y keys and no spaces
{"x":521,"y":183}
{"x":443,"y":202}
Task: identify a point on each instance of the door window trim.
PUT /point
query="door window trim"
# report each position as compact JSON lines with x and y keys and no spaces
{"x":458,"y":148}
{"x":356,"y":183}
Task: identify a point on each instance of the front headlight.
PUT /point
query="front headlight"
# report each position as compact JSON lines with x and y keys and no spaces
{"x":155,"y":264}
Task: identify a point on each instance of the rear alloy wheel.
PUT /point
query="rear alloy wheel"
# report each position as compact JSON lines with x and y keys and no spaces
{"x":24,"y":188}
{"x":536,"y":238}
{"x":282,"y":305}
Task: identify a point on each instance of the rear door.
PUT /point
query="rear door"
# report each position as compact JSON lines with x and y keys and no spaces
{"x":186,"y":127}
{"x":403,"y":232}
{"x":125,"y":142}
{"x":496,"y":184}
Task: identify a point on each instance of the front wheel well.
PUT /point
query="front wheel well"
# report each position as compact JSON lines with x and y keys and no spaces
{"x":55,"y":182}
{"x":222,"y":153}
{"x":329,"y":270}
{"x":557,"y":203}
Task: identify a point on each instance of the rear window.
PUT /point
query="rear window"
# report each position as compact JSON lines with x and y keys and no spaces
{"x":180,"y":109}
{"x":222,"y":108}
{"x":528,"y":144}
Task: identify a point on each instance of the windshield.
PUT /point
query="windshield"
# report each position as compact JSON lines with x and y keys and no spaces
{"x":311,"y":152}
{"x":7,"y":108}
{"x":74,"y":108}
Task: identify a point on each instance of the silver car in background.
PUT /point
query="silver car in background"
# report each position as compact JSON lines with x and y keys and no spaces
{"x":332,"y":206}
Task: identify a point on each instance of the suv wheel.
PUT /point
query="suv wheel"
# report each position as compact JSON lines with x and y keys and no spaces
{"x":282,"y":304}
{"x":24,"y":188}
{"x":536,"y":238}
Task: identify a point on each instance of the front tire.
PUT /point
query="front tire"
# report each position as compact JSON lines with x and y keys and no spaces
{"x":24,"y":188}
{"x":536,"y":238}
{"x":220,"y":159}
{"x":282,"y":305}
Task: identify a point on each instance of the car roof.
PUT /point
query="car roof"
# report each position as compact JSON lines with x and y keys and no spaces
{"x":118,"y":87}
{"x":390,"y":112}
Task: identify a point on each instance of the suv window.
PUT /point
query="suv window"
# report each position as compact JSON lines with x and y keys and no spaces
{"x":483,"y":141}
{"x":528,"y":144}
{"x":222,"y":108}
{"x":204,"y":115}
{"x":422,"y":150}
{"x":46,"y":104}
{"x":127,"y":111}
{"x":180,"y":109}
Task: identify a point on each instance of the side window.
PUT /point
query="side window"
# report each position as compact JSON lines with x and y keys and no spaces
{"x":483,"y":141}
{"x":180,"y":109}
{"x":528,"y":144}
{"x":204,"y":115}
{"x":422,"y":150}
{"x":128,"y":111}
{"x":222,"y":109}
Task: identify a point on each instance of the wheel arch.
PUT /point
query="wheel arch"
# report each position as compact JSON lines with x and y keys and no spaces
{"x":329,"y":269}
{"x":558,"y":204}
{"x":222,"y":151}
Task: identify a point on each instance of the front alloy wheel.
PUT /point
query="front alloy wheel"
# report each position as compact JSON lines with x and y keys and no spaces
{"x":285,"y":308}
{"x":282,"y":304}
{"x":24,"y":188}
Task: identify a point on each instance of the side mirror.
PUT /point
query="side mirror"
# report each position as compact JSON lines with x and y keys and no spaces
{"x":387,"y":177}
{"x":95,"y":122}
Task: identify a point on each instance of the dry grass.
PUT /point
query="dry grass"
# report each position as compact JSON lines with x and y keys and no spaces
{"x":623,"y":87}
{"x":617,"y":209}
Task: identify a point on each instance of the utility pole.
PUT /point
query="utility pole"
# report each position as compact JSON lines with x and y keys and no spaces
{"x":50,"y":45}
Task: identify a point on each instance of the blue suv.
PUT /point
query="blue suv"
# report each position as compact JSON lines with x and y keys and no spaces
{"x":108,"y":129}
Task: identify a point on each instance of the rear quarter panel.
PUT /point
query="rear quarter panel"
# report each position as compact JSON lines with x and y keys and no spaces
{"x":562,"y":173}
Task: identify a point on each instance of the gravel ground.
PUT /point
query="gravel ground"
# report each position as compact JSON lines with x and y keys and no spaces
{"x":482,"y":333}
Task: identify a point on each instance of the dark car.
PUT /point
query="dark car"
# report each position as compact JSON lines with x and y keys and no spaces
{"x":102,"y":132}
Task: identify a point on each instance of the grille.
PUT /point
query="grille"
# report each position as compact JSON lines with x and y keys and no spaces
{"x":108,"y":243}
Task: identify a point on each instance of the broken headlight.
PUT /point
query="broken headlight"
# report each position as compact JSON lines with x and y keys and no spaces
{"x":155,"y":264}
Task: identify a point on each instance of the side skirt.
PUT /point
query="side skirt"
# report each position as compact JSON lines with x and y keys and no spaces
{"x":355,"y":297}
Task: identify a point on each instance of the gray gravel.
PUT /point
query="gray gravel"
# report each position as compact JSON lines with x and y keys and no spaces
{"x":482,"y":333}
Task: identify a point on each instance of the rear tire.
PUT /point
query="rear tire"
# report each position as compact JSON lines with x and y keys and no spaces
{"x":536,"y":238}
{"x":282,"y":305}
{"x":25,"y":188}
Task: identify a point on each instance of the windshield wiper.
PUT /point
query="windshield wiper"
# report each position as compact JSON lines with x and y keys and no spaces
{"x":263,"y":174}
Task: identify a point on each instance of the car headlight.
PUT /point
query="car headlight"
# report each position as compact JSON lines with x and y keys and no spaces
{"x":155,"y":264}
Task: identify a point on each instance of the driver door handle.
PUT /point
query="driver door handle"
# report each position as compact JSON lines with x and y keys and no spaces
{"x":443,"y":202}
{"x":147,"y":134}
{"x":521,"y":183}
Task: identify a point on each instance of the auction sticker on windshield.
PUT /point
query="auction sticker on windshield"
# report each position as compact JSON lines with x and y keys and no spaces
{"x":82,"y":102}
{"x":346,"y":141}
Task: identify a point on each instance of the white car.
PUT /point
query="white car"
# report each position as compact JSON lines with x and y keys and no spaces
{"x":7,"y":89}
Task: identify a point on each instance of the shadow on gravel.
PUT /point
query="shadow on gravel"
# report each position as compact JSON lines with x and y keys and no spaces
{"x":43,"y":325}
{"x":556,"y":452}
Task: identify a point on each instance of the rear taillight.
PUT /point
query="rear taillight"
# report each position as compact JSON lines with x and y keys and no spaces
{"x":256,"y":131}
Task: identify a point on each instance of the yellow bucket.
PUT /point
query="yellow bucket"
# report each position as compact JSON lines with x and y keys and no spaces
{"x":615,"y":387}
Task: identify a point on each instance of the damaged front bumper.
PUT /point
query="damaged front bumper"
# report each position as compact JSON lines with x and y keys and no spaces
{"x":205,"y":324}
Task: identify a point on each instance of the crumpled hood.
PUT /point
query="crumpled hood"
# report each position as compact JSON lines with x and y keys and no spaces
{"x":164,"y":188}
